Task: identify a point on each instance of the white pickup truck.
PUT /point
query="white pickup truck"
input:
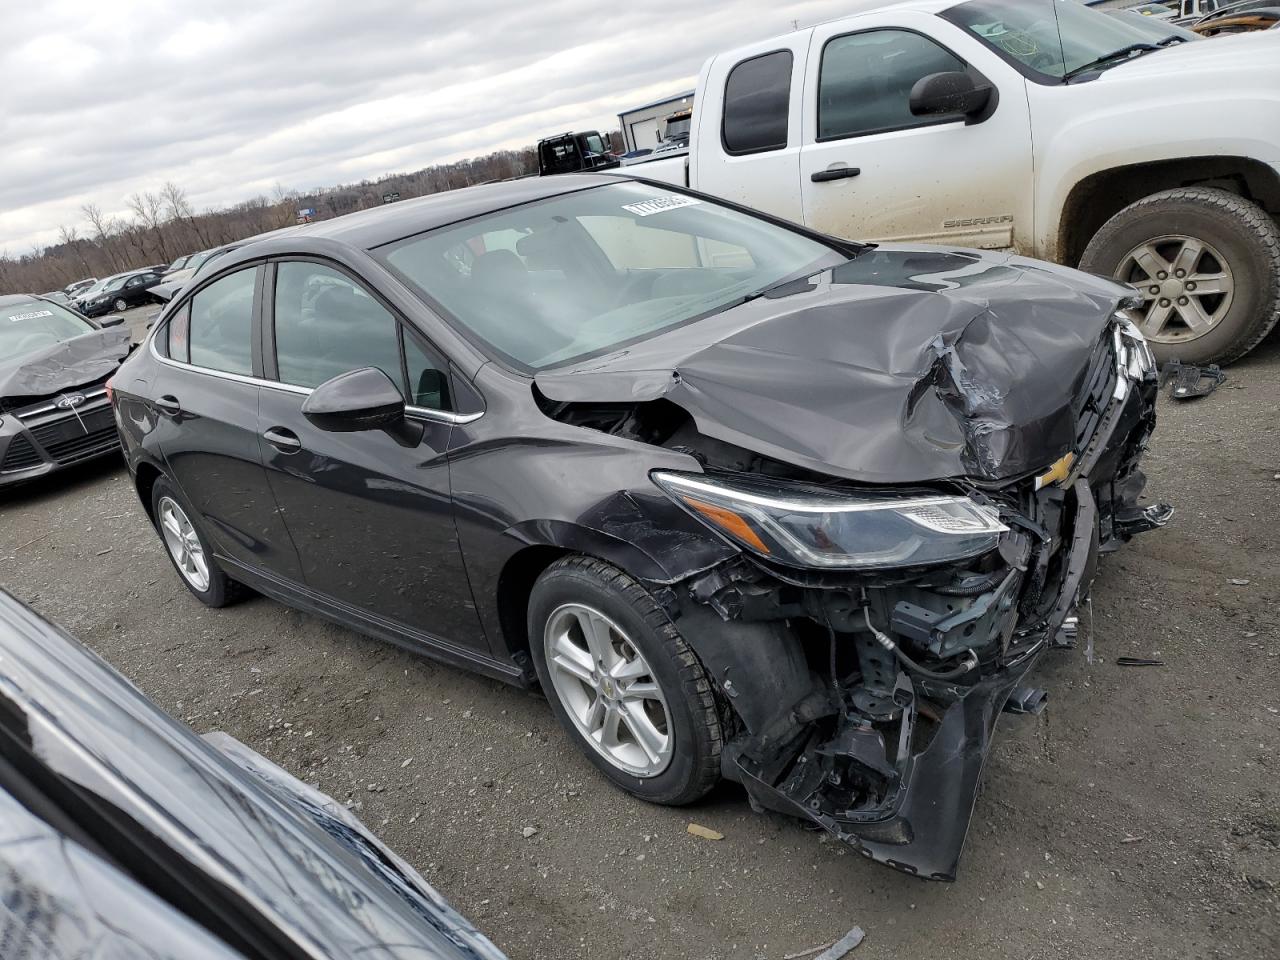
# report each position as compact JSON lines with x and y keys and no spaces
{"x":1041,"y":126}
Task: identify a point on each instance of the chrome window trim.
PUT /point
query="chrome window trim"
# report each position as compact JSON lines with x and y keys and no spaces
{"x":424,"y":413}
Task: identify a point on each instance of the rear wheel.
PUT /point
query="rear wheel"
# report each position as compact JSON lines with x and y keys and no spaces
{"x":188,"y":549}
{"x":623,"y":683}
{"x":1207,"y":265}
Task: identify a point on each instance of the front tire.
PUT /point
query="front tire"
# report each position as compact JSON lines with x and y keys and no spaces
{"x":623,"y":683}
{"x":1207,"y":263}
{"x":189,"y":550}
{"x":120,"y":306}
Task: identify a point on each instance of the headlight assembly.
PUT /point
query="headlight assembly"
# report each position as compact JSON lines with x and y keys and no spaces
{"x":1136,"y":352}
{"x":808,"y":527}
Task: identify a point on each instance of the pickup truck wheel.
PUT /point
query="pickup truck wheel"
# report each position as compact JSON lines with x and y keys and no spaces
{"x":623,"y":683}
{"x":1207,"y":263}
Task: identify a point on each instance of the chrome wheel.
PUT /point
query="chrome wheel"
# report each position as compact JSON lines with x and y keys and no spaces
{"x":120,"y":305}
{"x":608,"y":689}
{"x":1187,"y":284}
{"x":184,"y":544}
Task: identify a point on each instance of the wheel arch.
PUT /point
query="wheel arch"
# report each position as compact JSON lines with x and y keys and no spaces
{"x":1098,"y":197}
{"x":546,"y":541}
{"x":145,"y":476}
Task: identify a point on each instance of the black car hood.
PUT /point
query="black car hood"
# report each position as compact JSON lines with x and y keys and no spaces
{"x":64,"y":365}
{"x":307,"y":875}
{"x":903,"y":365}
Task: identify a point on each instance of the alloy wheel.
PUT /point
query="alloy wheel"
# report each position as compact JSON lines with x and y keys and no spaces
{"x":608,"y":690}
{"x":1187,"y":286}
{"x":120,"y":305}
{"x":184,"y":544}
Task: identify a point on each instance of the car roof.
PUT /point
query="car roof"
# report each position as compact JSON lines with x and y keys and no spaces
{"x":375,"y":226}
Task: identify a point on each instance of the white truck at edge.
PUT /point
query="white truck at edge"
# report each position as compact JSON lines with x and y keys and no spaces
{"x":1161,"y":168}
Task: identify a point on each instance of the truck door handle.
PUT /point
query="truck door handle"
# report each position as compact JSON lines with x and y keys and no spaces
{"x":286,"y":441}
{"x":834,"y":173}
{"x":169,"y":404}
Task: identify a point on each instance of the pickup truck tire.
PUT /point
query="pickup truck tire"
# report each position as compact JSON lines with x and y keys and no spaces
{"x":597,"y":636}
{"x":1224,"y":242}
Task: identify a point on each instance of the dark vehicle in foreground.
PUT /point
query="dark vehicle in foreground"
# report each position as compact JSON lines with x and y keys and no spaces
{"x":54,"y":408}
{"x":574,"y":153}
{"x":129,"y":289}
{"x":745,"y":500}
{"x":123,"y":834}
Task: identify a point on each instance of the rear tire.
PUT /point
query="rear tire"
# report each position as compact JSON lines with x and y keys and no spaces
{"x":1224,"y":240}
{"x":188,"y":548}
{"x":645,"y":649}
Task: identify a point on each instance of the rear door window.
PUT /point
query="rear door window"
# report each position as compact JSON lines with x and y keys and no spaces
{"x":757,"y":100}
{"x":221,"y":325}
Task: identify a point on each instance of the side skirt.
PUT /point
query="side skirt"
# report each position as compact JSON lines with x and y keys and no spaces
{"x":296,"y":595}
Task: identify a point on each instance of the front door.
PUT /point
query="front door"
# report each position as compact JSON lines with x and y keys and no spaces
{"x":870,"y":170}
{"x":205,"y":401}
{"x":372,"y":520}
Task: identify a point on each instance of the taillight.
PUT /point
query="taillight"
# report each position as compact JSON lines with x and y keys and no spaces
{"x":111,"y":392}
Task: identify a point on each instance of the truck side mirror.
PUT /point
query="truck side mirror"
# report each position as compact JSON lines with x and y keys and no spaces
{"x":952,"y":93}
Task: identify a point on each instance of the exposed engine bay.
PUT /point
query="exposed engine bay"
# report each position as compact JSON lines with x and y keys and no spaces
{"x":865,"y":700}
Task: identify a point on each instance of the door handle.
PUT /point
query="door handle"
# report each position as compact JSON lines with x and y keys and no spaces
{"x":834,"y":173}
{"x":286,"y":441}
{"x":169,"y":404}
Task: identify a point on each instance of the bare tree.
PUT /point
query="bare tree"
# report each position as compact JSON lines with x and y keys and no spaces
{"x":179,"y":208}
{"x":149,"y":209}
{"x":103,"y":227}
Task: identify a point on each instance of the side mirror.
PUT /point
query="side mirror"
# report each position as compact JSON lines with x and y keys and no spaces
{"x":111,"y":320}
{"x":364,"y":399}
{"x":951,"y":93}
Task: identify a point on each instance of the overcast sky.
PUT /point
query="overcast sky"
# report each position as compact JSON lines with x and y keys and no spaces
{"x":229,"y":98}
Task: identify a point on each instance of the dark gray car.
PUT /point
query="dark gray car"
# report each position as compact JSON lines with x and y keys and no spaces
{"x":743,"y":499}
{"x":123,"y":834}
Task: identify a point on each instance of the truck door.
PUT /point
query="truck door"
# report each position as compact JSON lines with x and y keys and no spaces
{"x":871,"y":170}
{"x":748,"y":142}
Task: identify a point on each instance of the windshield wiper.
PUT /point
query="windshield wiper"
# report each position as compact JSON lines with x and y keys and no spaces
{"x":1124,"y":53}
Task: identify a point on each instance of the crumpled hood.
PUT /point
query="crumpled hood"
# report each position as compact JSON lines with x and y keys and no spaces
{"x":64,"y":365}
{"x":904,"y":365}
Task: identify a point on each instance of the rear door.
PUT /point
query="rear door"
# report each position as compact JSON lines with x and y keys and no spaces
{"x":748,"y":141}
{"x":372,"y":520}
{"x":870,"y":170}
{"x":205,"y":402}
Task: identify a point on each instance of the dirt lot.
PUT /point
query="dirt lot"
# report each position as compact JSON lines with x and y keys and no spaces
{"x":1139,"y":816}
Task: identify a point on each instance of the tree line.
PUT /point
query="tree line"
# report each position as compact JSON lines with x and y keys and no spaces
{"x":158,"y":227}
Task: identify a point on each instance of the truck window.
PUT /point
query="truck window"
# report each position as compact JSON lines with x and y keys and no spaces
{"x":757,"y":98}
{"x":865,"y":82}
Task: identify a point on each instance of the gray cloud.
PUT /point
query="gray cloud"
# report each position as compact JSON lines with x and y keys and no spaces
{"x":230,"y":98}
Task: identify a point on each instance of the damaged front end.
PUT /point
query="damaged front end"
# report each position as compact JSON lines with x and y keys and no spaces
{"x":867,"y":642}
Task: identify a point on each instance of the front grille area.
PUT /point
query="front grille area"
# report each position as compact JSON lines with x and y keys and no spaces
{"x":20,"y":455}
{"x":71,"y":438}
{"x":1100,"y":385}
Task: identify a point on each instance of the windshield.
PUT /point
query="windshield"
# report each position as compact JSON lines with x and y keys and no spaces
{"x":114,"y":284}
{"x":588,"y":272}
{"x":35,"y":324}
{"x":197,"y":260}
{"x":1051,"y":38}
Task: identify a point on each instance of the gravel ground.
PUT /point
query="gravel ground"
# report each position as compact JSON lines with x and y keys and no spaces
{"x":1139,"y":816}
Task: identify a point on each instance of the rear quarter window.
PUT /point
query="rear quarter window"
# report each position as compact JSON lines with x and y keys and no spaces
{"x":757,"y":101}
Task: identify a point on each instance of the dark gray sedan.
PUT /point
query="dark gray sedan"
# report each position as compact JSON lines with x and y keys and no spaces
{"x":744,"y":500}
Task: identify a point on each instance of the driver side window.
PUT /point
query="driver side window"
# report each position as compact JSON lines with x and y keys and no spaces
{"x":865,"y":81}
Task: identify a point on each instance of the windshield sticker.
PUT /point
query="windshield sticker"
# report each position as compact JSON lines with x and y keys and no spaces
{"x":30,"y":316}
{"x":647,"y":208}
